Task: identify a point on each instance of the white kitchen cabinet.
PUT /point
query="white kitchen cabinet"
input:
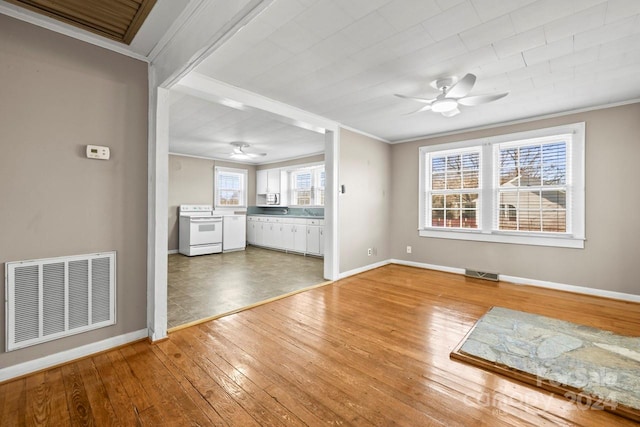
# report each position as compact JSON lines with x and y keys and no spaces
{"x":313,"y":239}
{"x":251,"y":230}
{"x":255,"y":230}
{"x":294,"y":236}
{"x":273,"y":237}
{"x":305,"y":236}
{"x":268,"y":181}
{"x":315,"y":236}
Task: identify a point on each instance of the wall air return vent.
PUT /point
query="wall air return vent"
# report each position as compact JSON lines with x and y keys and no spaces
{"x":53,"y":298}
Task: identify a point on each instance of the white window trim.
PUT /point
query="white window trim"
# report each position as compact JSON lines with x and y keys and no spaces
{"x":485,"y":233}
{"x":243,"y":172}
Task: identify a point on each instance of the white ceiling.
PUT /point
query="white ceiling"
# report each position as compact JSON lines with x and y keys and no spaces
{"x":344,"y":60}
{"x":203,"y":128}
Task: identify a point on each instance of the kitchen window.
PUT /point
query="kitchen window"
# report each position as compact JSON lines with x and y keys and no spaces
{"x":307,"y":186}
{"x":230,"y":187}
{"x":524,"y":188}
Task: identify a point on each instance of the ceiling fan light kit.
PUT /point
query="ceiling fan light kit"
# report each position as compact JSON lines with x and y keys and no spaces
{"x":454,"y":92}
{"x":444,"y":105}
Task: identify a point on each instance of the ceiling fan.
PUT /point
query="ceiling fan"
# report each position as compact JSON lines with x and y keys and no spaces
{"x":453,"y":94}
{"x":239,"y":152}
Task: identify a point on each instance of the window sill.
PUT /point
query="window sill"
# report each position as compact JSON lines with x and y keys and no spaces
{"x":478,"y":236}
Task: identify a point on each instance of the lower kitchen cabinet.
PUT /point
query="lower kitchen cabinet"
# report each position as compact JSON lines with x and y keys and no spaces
{"x":315,"y":237}
{"x":290,"y":234}
{"x":294,"y":236}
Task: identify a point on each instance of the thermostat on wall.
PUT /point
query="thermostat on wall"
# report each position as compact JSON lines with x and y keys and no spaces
{"x":98,"y":152}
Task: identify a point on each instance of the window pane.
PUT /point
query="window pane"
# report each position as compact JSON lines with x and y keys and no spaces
{"x":438,"y":164}
{"x":454,"y":180}
{"x":229,"y":198}
{"x":469,"y":218}
{"x":437,"y":201}
{"x":437,"y":181}
{"x":452,"y":218}
{"x":554,"y":221}
{"x":471,"y":161}
{"x":454,"y":163}
{"x":302,"y":180}
{"x":508,"y":217}
{"x":530,"y":165}
{"x":508,"y":166}
{"x":302,"y":197}
{"x":529,"y":200}
{"x":470,"y":179}
{"x":529,"y":220}
{"x":554,"y":199}
{"x":452,"y":201}
{"x":437,"y":217}
{"x":554,"y":164}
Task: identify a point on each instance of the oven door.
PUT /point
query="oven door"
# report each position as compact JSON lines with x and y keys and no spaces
{"x":205,"y":231}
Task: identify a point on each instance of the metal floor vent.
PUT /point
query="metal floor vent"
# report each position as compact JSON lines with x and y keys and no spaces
{"x":57,"y":297}
{"x":481,"y":275}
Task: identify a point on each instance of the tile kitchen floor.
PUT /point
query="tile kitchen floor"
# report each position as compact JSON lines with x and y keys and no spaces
{"x":209,"y":285}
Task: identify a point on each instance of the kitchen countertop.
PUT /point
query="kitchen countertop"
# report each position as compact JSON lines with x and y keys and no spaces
{"x":289,"y":216}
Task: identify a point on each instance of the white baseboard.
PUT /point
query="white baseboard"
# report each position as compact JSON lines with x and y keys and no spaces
{"x":571,"y":288}
{"x":55,"y":359}
{"x":363,"y":269}
{"x":427,"y":266}
{"x":531,"y":282}
{"x":172,"y":251}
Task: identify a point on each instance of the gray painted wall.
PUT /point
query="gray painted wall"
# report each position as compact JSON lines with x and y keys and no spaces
{"x":365,"y":171}
{"x":57,"y":95}
{"x":191,"y":183}
{"x":610,"y":257}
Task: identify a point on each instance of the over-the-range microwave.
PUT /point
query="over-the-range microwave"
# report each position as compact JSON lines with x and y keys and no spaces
{"x":273,"y":199}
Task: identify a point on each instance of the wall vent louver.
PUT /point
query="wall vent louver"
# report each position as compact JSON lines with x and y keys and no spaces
{"x":53,"y":298}
{"x":481,"y":275}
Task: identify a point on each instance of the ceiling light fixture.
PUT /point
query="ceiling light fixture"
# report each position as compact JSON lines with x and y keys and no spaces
{"x":444,"y":105}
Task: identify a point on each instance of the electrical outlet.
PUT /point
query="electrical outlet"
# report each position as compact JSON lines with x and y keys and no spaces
{"x":369,"y":252}
{"x":408,"y":249}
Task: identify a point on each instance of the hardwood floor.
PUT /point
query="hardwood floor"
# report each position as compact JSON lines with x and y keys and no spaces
{"x":372,"y":349}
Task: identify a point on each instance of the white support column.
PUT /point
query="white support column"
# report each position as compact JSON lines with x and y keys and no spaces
{"x":331,"y":158}
{"x":158,"y":215}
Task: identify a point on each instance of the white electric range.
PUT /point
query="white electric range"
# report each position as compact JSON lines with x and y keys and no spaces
{"x":200,"y":231}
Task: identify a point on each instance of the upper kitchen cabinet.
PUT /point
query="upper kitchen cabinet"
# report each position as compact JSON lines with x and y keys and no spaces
{"x":268,"y":181}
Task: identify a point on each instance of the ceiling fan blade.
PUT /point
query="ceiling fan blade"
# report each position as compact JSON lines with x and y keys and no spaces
{"x":419,"y":110}
{"x":254,"y":154}
{"x":463,"y":87}
{"x":451,"y":113}
{"x":423,"y":100}
{"x":471,"y":101}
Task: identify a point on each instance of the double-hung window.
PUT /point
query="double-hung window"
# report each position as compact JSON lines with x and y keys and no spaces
{"x":230,"y":187}
{"x":307,"y":186}
{"x":524,"y":188}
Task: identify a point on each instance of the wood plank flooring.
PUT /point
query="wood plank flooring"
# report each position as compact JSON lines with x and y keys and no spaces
{"x":372,"y":349}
